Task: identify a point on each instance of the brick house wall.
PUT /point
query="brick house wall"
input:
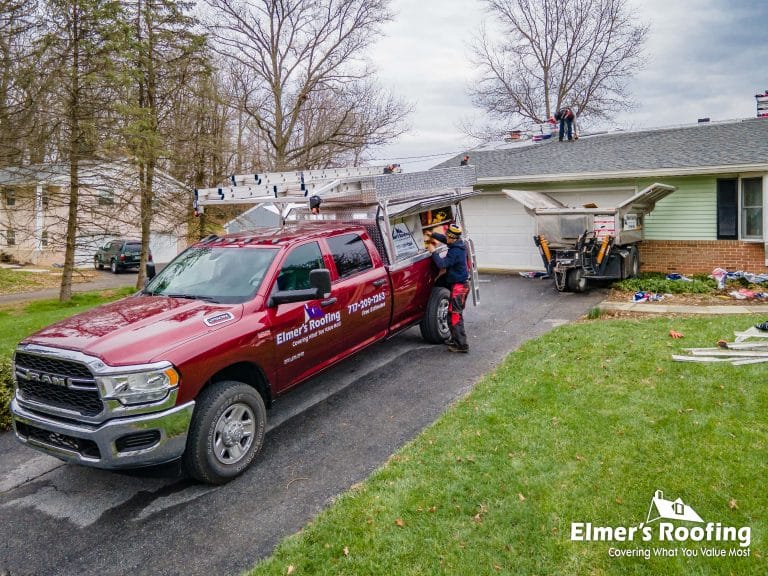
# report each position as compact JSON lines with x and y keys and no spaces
{"x":701,"y":256}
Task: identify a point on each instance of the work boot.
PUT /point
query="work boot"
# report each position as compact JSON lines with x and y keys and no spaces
{"x":450,"y":342}
{"x":455,"y":348}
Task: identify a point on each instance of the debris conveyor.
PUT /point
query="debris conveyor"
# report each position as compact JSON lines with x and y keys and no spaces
{"x":579,"y":244}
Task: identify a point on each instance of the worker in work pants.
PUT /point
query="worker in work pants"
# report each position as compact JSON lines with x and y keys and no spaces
{"x":457,"y":277}
{"x":456,"y":305}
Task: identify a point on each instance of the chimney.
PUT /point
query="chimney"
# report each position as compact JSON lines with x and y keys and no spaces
{"x":762,"y":104}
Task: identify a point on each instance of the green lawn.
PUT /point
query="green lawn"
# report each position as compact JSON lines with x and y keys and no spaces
{"x":19,"y":321}
{"x":16,"y":322}
{"x":581,"y":425}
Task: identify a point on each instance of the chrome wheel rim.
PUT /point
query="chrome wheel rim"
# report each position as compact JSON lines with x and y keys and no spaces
{"x":234,"y":433}
{"x":442,"y":317}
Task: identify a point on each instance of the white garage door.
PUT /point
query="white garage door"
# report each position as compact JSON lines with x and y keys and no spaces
{"x":164,"y":247}
{"x":502,"y":230}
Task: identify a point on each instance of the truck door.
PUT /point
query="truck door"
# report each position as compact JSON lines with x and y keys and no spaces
{"x":306,"y":334}
{"x":363,"y":290}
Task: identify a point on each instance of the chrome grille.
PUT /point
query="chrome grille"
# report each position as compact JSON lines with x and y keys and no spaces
{"x":84,"y":399}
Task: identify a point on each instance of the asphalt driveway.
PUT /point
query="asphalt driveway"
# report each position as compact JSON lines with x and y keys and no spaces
{"x":331,"y":433}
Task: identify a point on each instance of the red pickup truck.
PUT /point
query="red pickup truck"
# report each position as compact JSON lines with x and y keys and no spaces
{"x":187,"y":367}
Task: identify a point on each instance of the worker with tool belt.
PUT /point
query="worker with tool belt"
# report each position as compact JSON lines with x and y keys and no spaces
{"x":457,"y":277}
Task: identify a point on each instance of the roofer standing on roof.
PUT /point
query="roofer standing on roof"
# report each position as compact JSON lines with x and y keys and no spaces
{"x":565,"y":116}
{"x":457,"y":276}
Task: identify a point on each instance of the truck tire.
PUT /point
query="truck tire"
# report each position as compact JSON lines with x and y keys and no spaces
{"x":97,"y":264}
{"x":633,"y":268}
{"x":434,"y":326}
{"x":576,"y":280}
{"x":226,"y":432}
{"x":114,"y":268}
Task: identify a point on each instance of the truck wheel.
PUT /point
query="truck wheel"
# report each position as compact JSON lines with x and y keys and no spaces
{"x":98,"y":265}
{"x":113,"y":267}
{"x":633,"y":270}
{"x":576,"y":280}
{"x":226,"y":432}
{"x":434,"y":326}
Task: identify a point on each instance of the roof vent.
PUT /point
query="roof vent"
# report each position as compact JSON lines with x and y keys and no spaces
{"x":703,"y":120}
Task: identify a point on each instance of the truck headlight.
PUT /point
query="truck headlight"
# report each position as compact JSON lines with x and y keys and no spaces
{"x":139,"y":387}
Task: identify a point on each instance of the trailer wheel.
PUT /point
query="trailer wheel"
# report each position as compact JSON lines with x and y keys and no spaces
{"x":434,"y":326}
{"x":226,"y":432}
{"x":634,"y":263}
{"x":576,"y":281}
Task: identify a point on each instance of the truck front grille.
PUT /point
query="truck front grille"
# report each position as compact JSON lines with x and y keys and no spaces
{"x":46,"y":387}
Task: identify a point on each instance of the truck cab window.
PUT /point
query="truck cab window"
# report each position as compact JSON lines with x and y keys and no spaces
{"x":294,"y":274}
{"x":349,"y":254}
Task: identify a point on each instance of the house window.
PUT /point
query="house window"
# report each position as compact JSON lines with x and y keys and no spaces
{"x":44,"y":238}
{"x":9,"y":195}
{"x":752,"y":208}
{"x":106,"y":198}
{"x":10,"y":237}
{"x":727,"y":209}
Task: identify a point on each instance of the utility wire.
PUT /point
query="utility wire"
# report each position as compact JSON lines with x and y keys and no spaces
{"x":425,"y":156}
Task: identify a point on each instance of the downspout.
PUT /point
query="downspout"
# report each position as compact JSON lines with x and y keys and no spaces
{"x":765,"y":219}
{"x":39,"y":221}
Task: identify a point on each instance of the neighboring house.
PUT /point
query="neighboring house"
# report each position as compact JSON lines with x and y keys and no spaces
{"x":715,"y":218}
{"x":34,"y":204}
{"x":260,"y":216}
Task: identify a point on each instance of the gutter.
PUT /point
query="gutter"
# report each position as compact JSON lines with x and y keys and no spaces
{"x":662,"y":172}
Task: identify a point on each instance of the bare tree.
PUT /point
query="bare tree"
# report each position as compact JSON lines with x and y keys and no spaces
{"x":167,"y":55}
{"x":81,"y":42}
{"x":554,"y":53}
{"x":18,"y":78}
{"x":298,"y":67}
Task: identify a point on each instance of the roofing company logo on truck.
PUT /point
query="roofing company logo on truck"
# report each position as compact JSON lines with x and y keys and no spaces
{"x":316,"y":322}
{"x":669,"y":521}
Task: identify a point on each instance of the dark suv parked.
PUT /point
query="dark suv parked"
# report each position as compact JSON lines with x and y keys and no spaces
{"x":118,"y":255}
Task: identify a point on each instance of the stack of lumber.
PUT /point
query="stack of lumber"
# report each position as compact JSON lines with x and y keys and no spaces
{"x":749,"y":347}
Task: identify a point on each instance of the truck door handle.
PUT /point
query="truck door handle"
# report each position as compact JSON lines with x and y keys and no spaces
{"x":328,"y":302}
{"x":380,"y":282}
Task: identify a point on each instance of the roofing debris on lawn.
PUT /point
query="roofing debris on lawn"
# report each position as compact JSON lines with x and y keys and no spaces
{"x":743,"y":350}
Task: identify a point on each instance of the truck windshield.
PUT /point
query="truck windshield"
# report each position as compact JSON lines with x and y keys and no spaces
{"x":225,"y":274}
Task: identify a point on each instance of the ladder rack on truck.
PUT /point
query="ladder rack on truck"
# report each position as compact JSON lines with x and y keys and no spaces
{"x":577,"y":244}
{"x":395,"y":201}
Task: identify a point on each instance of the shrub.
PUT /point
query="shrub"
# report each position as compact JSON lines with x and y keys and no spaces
{"x":595,"y":313}
{"x":658,"y":283}
{"x":6,"y":393}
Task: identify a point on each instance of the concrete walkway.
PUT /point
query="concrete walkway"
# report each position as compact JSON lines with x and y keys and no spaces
{"x":684,"y":309}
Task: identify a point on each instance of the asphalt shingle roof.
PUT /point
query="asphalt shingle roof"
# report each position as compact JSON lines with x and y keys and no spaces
{"x":702,"y":146}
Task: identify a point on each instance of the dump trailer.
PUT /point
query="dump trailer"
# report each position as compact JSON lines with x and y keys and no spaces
{"x":578,"y":244}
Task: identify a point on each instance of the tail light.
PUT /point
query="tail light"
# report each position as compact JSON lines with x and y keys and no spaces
{"x":122,"y":257}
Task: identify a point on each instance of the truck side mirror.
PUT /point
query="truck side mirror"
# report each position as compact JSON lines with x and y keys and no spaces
{"x":320,"y":280}
{"x":151,"y":273}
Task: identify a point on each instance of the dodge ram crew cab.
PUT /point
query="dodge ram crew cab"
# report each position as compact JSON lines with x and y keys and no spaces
{"x":187,"y":367}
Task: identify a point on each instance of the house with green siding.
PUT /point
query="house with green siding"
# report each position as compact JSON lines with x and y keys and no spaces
{"x":716,"y":217}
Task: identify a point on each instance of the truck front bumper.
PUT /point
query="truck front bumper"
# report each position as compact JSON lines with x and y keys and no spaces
{"x":130,"y":442}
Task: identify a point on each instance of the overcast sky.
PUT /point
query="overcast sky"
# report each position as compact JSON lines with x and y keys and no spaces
{"x":705,"y":58}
